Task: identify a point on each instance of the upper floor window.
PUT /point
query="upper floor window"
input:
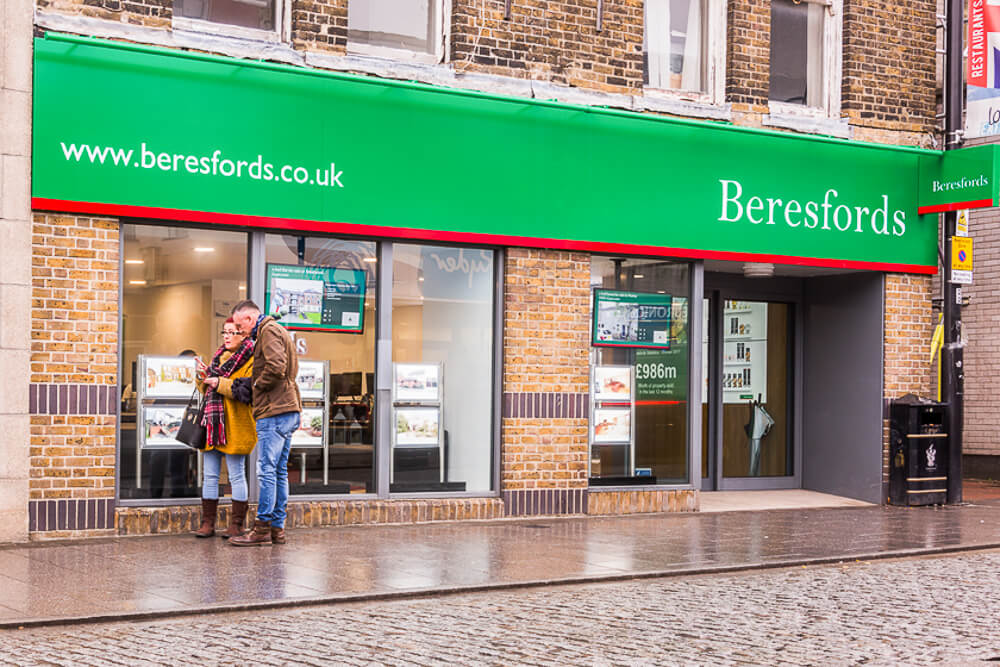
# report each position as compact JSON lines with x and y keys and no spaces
{"x":395,"y":26}
{"x":683,"y":47}
{"x":797,"y":53}
{"x":253,"y":14}
{"x":675,"y":44}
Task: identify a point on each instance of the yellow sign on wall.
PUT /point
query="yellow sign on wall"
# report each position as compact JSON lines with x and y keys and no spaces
{"x":961,"y":260}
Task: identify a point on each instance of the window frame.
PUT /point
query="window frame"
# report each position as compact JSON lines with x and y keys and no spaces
{"x":441,"y":37}
{"x":830,"y":94}
{"x":278,"y":35}
{"x":715,"y":71}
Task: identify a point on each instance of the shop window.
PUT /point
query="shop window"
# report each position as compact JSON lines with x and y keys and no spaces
{"x":805,"y":53}
{"x":323,"y":290}
{"x":403,"y":29}
{"x":639,"y":361}
{"x":255,"y":15}
{"x":178,"y":286}
{"x":442,"y":354}
{"x":684,"y":46}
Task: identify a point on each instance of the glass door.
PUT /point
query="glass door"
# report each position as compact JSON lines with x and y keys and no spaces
{"x":747,"y":394}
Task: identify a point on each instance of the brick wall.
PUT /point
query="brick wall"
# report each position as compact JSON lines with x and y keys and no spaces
{"x":74,"y":369}
{"x":319,"y":25}
{"x":149,"y":13}
{"x":546,"y":346}
{"x":551,"y":40}
{"x":982,"y":355}
{"x":889,"y":64}
{"x":748,"y":54}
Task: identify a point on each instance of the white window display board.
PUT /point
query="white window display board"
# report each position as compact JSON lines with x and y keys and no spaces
{"x":612,"y":409}
{"x":744,"y":351}
{"x":417,"y":410}
{"x":314,"y":424}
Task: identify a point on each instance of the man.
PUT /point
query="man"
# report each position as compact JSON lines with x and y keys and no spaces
{"x":276,"y":409}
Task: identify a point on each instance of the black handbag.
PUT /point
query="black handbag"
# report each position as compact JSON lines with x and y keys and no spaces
{"x":191,"y":432}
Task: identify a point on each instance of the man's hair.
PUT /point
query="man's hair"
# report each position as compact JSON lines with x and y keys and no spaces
{"x":245,"y":304}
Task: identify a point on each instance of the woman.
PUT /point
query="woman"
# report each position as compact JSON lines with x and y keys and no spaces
{"x":229,"y":427}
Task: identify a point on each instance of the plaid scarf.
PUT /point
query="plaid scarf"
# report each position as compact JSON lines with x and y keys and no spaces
{"x":214,"y":414}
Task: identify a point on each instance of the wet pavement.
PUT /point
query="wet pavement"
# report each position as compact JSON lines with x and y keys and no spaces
{"x":126,"y":578}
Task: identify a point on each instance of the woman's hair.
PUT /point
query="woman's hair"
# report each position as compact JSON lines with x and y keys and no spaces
{"x":229,"y":320}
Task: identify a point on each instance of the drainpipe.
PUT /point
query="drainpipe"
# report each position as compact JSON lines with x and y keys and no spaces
{"x":953,"y":372}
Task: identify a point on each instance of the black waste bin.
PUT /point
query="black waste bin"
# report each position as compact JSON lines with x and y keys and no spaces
{"x":918,"y":452}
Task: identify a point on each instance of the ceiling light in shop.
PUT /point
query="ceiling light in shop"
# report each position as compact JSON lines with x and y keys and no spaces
{"x":370,"y":260}
{"x":639,"y":275}
{"x":243,"y":287}
{"x":135,"y":261}
{"x":421,"y":279}
{"x":204,"y":249}
{"x":137,"y":282}
{"x":758,"y":269}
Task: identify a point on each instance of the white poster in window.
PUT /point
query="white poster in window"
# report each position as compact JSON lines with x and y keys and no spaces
{"x":612,"y":383}
{"x":160,"y":426}
{"x":417,"y":382}
{"x":311,"y":380}
{"x":168,"y":377}
{"x":310,"y":431}
{"x":612,"y":425}
{"x":417,"y":427}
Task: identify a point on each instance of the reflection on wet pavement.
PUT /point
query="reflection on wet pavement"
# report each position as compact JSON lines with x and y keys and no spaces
{"x":148,"y":574}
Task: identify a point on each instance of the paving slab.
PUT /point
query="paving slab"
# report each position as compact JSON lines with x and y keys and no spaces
{"x":146,"y":577}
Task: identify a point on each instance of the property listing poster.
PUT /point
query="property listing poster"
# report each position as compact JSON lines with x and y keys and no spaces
{"x":309,"y":297}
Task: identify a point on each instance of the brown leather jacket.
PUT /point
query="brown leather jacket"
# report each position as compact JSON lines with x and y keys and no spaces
{"x":275,"y":365}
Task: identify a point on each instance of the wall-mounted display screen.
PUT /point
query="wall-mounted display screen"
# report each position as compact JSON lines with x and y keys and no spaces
{"x":317,"y":298}
{"x":631,"y":319}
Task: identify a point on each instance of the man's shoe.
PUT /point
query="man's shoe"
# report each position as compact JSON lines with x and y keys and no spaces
{"x":278,"y":535}
{"x":237,"y":515}
{"x":259,"y":536}
{"x":209,"y":507}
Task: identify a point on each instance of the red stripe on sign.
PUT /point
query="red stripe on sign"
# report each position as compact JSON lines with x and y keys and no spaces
{"x":293,"y":224}
{"x":955,"y":206}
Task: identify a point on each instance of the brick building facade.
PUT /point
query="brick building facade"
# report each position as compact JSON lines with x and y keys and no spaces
{"x":66,"y":405}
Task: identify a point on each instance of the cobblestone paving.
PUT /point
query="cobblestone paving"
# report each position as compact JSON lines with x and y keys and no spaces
{"x":914,"y":611}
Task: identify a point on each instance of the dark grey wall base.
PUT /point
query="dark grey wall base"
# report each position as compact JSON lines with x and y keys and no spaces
{"x":538,"y":502}
{"x":71,"y":514}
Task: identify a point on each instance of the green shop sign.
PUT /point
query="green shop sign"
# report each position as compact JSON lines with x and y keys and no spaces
{"x":126,"y":130}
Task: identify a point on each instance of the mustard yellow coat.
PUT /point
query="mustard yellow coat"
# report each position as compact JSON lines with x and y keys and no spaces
{"x":241,"y":430}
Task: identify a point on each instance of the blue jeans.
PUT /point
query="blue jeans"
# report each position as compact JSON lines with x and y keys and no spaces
{"x":236,"y":464}
{"x":274,"y":442}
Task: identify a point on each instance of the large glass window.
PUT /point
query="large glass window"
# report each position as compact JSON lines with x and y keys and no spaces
{"x":178,"y":287}
{"x":797,"y":35}
{"x":675,"y":44}
{"x":323,"y":290}
{"x":409,"y":25}
{"x":442,"y":353}
{"x":258,"y":14}
{"x":657,"y":451}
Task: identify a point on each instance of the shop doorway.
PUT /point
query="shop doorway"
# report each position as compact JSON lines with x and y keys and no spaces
{"x":748,"y":386}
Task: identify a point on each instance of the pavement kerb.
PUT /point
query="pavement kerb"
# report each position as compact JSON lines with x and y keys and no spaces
{"x":114,"y":617}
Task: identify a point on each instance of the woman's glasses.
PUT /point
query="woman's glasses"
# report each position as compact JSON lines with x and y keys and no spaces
{"x":228,"y":332}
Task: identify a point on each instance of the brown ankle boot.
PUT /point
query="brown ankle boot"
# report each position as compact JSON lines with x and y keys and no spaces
{"x":237,"y":515}
{"x":278,"y":535}
{"x":260,"y":535}
{"x":209,"y":507}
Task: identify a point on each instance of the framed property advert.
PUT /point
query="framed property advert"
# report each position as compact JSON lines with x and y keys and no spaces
{"x":316,"y":298}
{"x":417,"y":427}
{"x":312,"y":429}
{"x":416,"y":383}
{"x":612,"y":426}
{"x":158,"y":426}
{"x":311,"y":379}
{"x":631,"y":319}
{"x":612,"y":383}
{"x":166,"y":377}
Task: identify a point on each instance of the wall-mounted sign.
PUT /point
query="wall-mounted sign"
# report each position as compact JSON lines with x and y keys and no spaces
{"x":612,"y":383}
{"x":612,"y":426}
{"x":321,"y":298}
{"x":167,"y":377}
{"x":631,"y":319}
{"x":312,"y":379}
{"x":694,"y":189}
{"x":417,"y":427}
{"x":961,"y":260}
{"x":417,"y":382}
